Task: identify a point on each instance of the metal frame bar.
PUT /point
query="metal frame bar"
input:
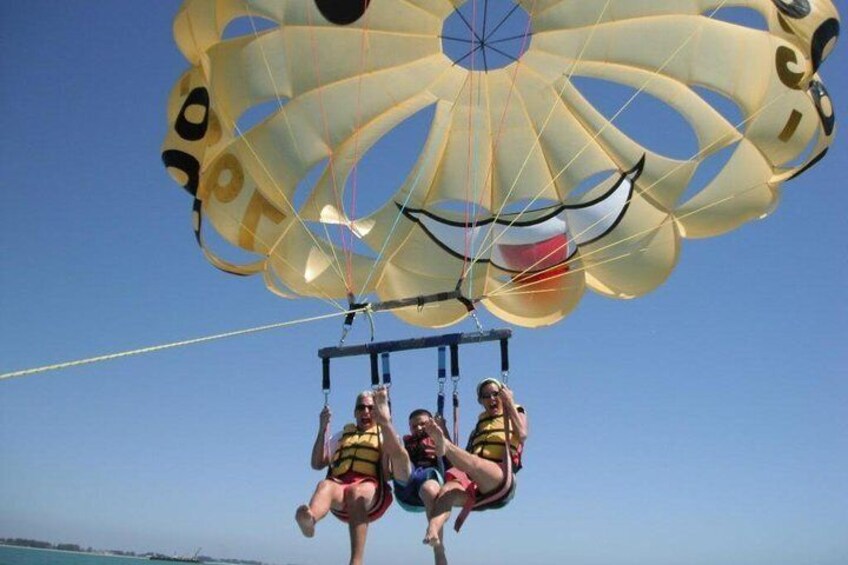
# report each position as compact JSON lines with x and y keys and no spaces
{"x":414,"y":343}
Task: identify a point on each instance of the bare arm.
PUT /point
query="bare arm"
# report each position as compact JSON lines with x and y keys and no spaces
{"x":516,"y":418}
{"x":320,"y":457}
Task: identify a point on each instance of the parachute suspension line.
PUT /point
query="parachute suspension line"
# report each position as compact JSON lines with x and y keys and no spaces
{"x":646,"y":190}
{"x":554,"y":106}
{"x":396,"y":222}
{"x":399,"y":214}
{"x":470,"y":169}
{"x":426,"y":299}
{"x":526,"y":35}
{"x":609,"y":122}
{"x":430,"y":155}
{"x":475,"y":202}
{"x":271,"y":78}
{"x":239,"y":221}
{"x":416,"y":181}
{"x":331,"y":169}
{"x":172,"y":345}
{"x":358,"y":114}
{"x":468,"y":271}
{"x":424,"y":165}
{"x":350,"y":218}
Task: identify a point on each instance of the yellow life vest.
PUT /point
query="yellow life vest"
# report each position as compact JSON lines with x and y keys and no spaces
{"x":357,"y":451}
{"x":487,"y":440}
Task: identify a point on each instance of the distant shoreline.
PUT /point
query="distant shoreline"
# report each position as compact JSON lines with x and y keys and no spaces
{"x":98,"y":553}
{"x":95,"y":553}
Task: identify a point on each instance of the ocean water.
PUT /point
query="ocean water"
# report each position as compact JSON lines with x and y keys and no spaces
{"x":27,"y":556}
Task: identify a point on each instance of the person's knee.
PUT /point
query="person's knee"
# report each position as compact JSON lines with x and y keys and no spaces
{"x":454,"y":496}
{"x":325,"y":490}
{"x":429,"y":491}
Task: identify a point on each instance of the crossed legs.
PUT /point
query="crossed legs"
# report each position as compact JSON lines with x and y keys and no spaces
{"x":401,"y":465}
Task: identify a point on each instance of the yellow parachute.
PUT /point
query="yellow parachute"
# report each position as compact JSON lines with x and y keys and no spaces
{"x":344,"y":73}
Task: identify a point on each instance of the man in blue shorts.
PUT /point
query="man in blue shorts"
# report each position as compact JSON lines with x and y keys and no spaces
{"x":417,"y":471}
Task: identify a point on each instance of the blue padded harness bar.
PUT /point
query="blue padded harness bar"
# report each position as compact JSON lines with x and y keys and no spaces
{"x":375,"y":371}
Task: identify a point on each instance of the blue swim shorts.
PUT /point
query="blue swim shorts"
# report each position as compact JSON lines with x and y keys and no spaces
{"x":406,"y":493}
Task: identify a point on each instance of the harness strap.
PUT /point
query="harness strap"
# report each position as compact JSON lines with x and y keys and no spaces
{"x":472,"y":502}
{"x":454,"y":355}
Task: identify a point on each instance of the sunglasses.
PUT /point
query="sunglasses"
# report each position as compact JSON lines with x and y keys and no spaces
{"x":364,"y":407}
{"x":489,"y":396}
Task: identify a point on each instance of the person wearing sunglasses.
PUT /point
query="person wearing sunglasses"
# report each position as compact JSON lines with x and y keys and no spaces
{"x":482,"y":476}
{"x":417,"y":472}
{"x":355,"y":489}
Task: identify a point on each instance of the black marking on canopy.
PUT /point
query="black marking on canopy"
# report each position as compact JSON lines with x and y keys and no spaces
{"x":826,"y":32}
{"x":819,"y":93}
{"x":796,"y":9}
{"x":186,"y":163}
{"x":342,"y":12}
{"x":508,"y":219}
{"x":809,"y":165}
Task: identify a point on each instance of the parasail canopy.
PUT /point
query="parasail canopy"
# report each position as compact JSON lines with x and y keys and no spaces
{"x":524,"y":193}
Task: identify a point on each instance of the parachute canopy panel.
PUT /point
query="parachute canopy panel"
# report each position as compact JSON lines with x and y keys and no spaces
{"x":527,"y":189}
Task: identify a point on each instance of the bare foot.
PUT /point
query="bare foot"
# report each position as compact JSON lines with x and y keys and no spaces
{"x":432,"y":539}
{"x":382,"y":413}
{"x":438,"y":436}
{"x":305,"y":520}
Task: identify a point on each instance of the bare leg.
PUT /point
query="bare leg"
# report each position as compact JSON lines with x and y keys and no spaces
{"x":428,"y":493}
{"x":401,"y":466}
{"x":487,"y":474}
{"x":326,"y":494}
{"x":358,"y":498}
{"x":452,"y":494}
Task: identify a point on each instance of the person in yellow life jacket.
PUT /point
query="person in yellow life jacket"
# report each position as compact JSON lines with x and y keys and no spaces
{"x":416,"y":470}
{"x":481,"y":477}
{"x":354,"y":490}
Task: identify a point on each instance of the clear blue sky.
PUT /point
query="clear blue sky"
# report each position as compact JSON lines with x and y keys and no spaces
{"x":704,"y":423}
